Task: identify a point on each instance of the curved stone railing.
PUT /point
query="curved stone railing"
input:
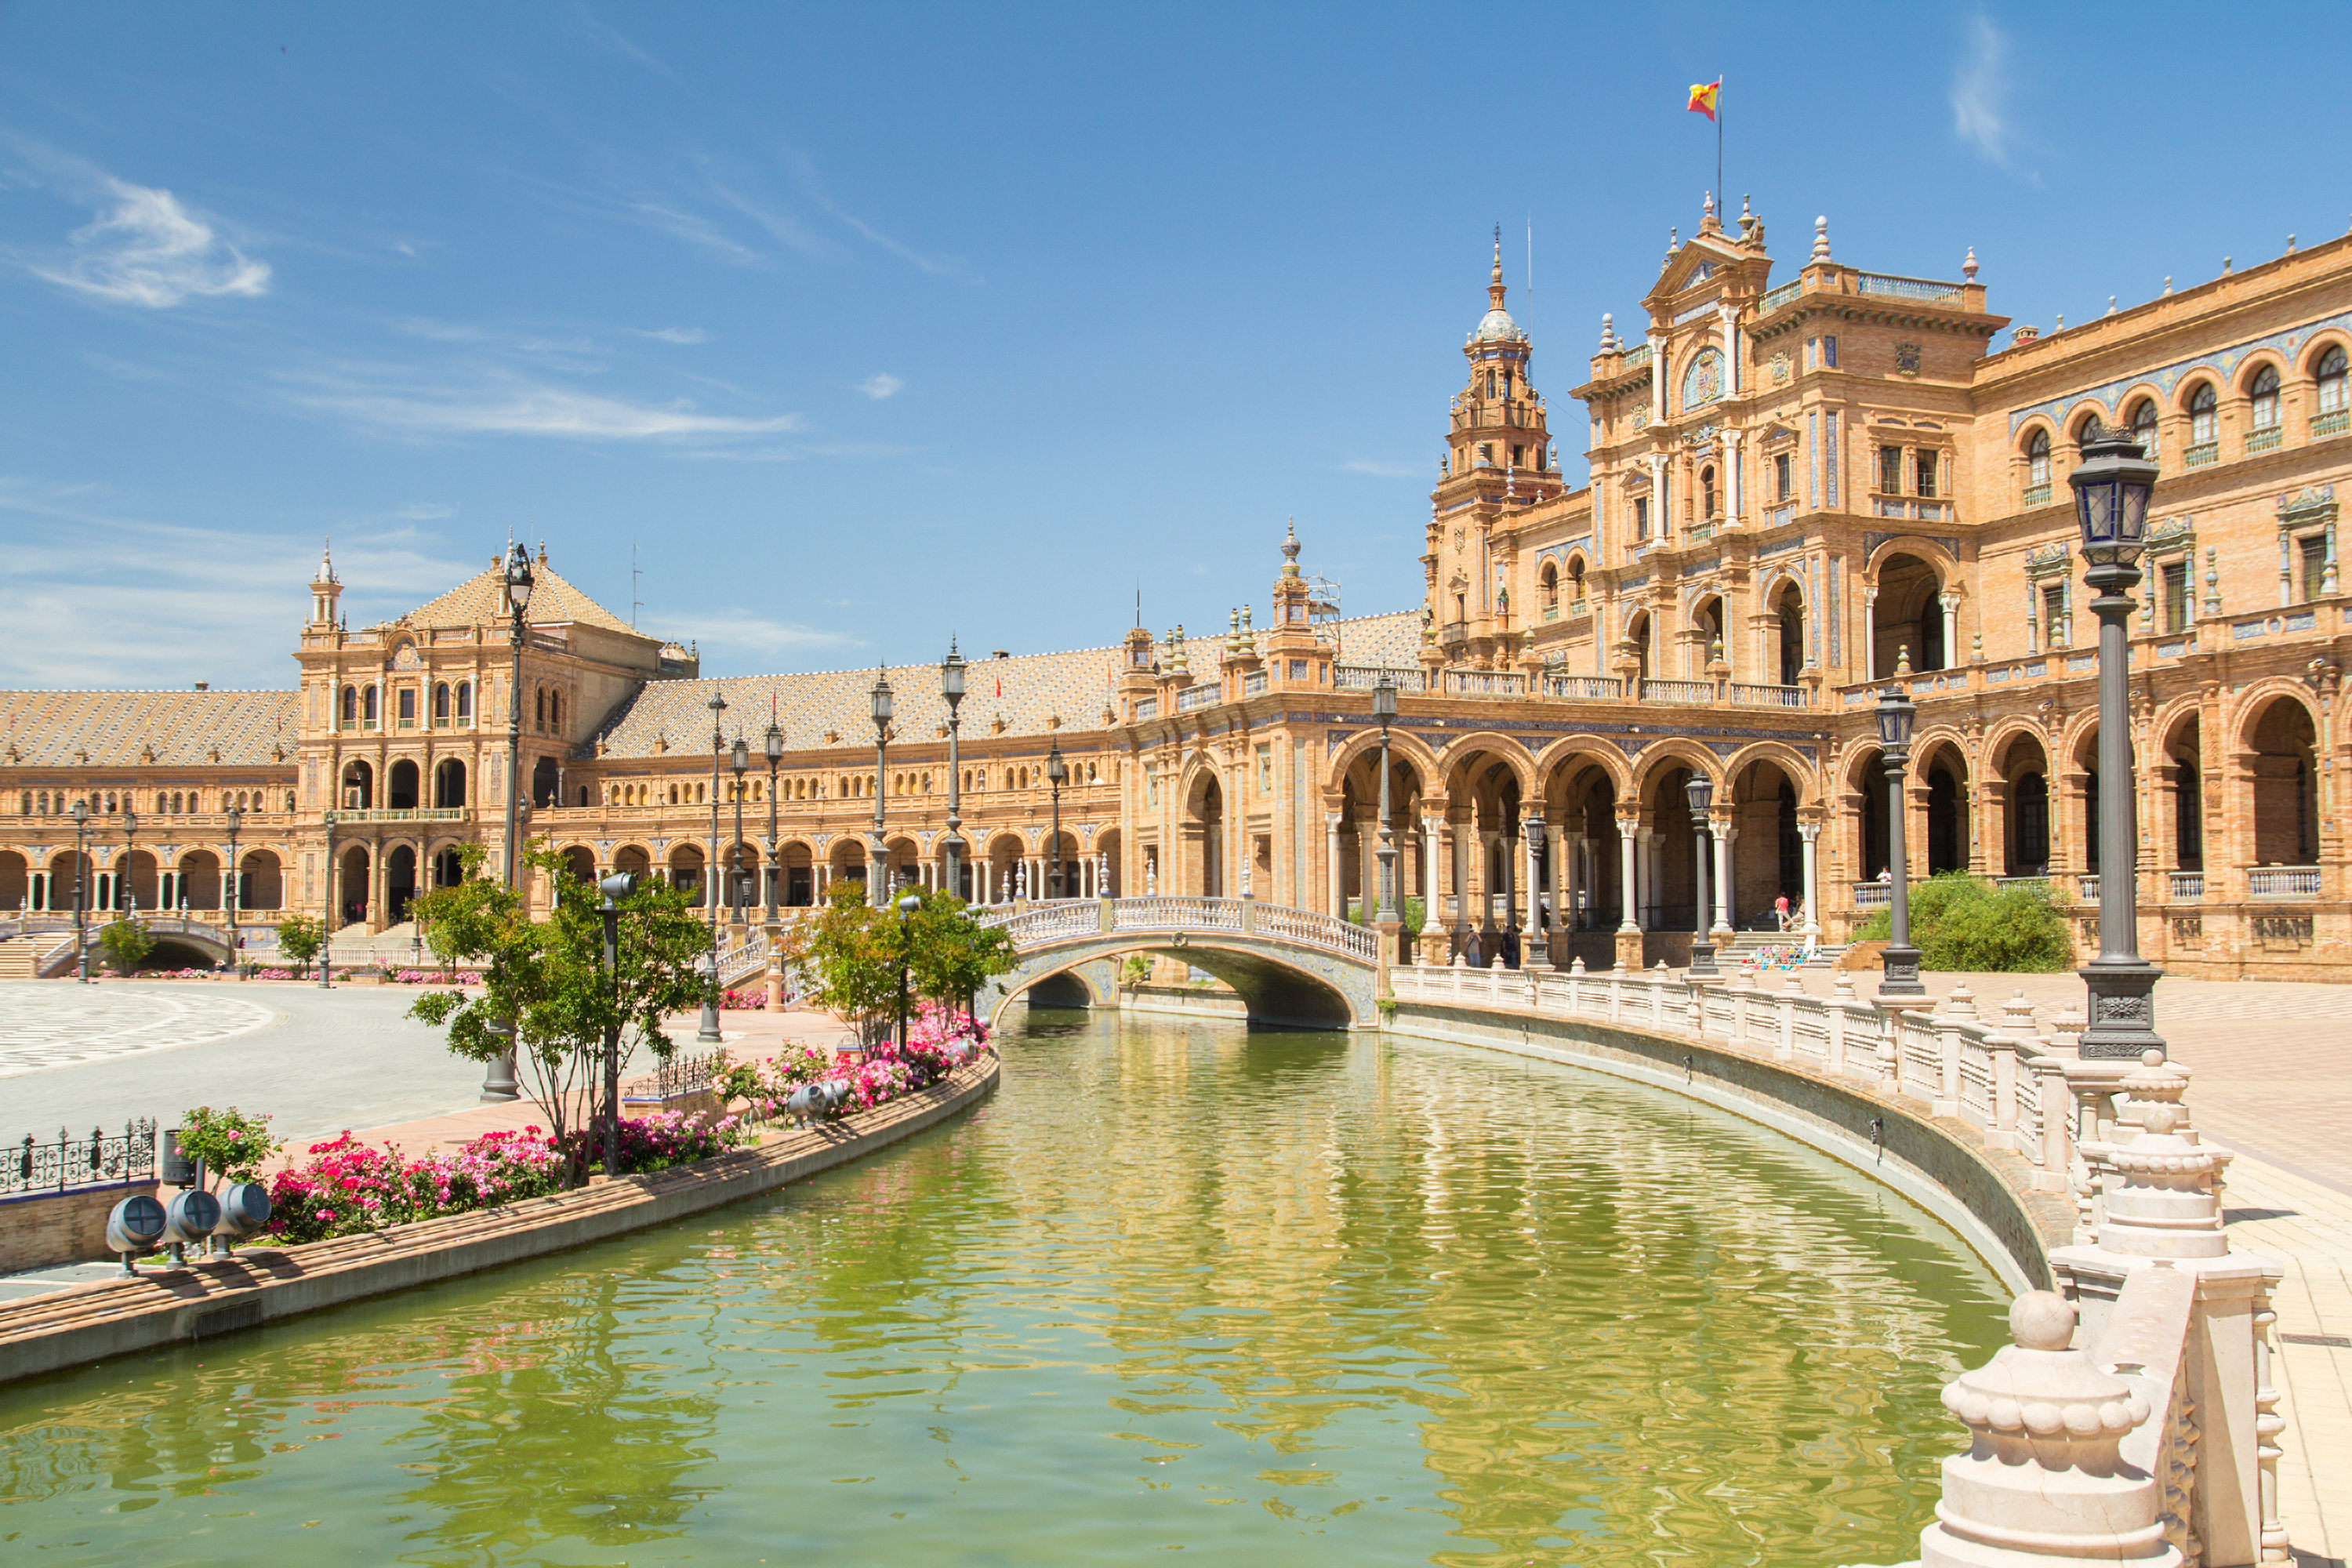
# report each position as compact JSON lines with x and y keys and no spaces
{"x":2174,"y":1325}
{"x":1066,"y":919}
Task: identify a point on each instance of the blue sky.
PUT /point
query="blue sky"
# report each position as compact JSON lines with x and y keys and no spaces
{"x":866,"y":323}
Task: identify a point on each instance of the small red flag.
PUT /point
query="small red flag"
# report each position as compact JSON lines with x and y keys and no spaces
{"x":1702,"y":98}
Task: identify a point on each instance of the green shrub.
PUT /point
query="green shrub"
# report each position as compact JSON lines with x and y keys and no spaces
{"x":1417,"y":915}
{"x":1964,"y":922}
{"x":126,"y":943}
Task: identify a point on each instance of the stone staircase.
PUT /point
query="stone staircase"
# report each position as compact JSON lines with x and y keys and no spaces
{"x":394,"y":945}
{"x":1748,"y":945}
{"x":19,"y":955}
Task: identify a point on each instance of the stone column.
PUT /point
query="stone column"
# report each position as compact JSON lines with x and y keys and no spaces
{"x":1334,"y":890}
{"x":1723,"y":834}
{"x":1951,"y":604}
{"x":375,"y":894}
{"x":1460,"y":865}
{"x":1629,"y":921}
{"x":1811,"y":832}
{"x":1870,"y":632}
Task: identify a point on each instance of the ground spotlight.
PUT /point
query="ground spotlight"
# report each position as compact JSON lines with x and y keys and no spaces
{"x":136,"y":1224}
{"x":244,"y":1210}
{"x":188,"y":1219}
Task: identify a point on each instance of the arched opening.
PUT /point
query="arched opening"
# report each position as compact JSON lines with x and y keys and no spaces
{"x":2284,"y":776}
{"x":1670,"y":890}
{"x":1873,"y":853}
{"x":351,"y":887}
{"x":440,"y":702}
{"x":399,"y":883}
{"x":1360,"y":837}
{"x":1587,"y":891}
{"x":685,"y":863}
{"x":1908,"y":616}
{"x":1547,"y":589}
{"x":1003,"y":865}
{"x":1768,"y":853}
{"x":2141,"y":422}
{"x":799,"y":890}
{"x":579,"y":865}
{"x":359,"y":786}
{"x":15,"y":882}
{"x":136,"y":881}
{"x":1707,"y":639}
{"x":2204,"y":418}
{"x":2021,"y":777}
{"x":1946,"y":774}
{"x":199,"y":880}
{"x":371,"y":706}
{"x":261,"y":881}
{"x":633,"y":859}
{"x":1203,"y":832}
{"x":1637,"y":638}
{"x":1108,"y":864}
{"x":400,"y":786}
{"x":845,"y":862}
{"x":1789,"y":613}
{"x":449,"y":784}
{"x":448,"y":870}
{"x":2184,"y":777}
{"x":546,"y":782}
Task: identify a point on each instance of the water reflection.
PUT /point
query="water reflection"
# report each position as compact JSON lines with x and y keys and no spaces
{"x":1177,"y":1286}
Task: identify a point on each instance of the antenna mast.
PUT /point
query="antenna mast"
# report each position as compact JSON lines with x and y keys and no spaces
{"x":635,"y":604}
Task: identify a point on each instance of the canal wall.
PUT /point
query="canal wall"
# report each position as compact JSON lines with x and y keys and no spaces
{"x":162,"y":1306}
{"x":1941,"y":1163}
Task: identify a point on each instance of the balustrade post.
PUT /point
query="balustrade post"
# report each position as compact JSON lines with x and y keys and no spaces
{"x":1791,"y":989}
{"x":1833,"y":1015}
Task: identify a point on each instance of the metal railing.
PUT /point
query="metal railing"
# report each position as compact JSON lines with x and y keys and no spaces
{"x":72,"y":1161}
{"x":2283,"y":882}
{"x":687,"y":1075}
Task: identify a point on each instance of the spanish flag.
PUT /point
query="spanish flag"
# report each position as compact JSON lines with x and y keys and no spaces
{"x":1702,"y":98}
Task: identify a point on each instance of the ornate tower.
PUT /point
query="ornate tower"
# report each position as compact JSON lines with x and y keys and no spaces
{"x":325,"y":590}
{"x":1498,"y":460}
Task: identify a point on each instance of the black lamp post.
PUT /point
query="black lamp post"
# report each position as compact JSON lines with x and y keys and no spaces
{"x":775,"y":845}
{"x":81,"y":927}
{"x":1901,"y":962}
{"x":907,"y":908}
{"x":952,"y":672}
{"x":2111,"y":494}
{"x":327,"y":943}
{"x":708,"y":1033}
{"x":1384,"y":908}
{"x":1700,"y":789}
{"x":878,"y":868}
{"x":1058,"y":772}
{"x":229,"y":889}
{"x":500,"y":1084}
{"x":739,"y":758}
{"x":615,"y":887}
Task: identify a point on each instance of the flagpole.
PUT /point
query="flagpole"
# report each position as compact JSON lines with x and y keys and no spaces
{"x":1722,"y":199}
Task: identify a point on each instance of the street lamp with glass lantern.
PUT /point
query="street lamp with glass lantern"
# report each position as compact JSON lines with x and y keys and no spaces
{"x":907,"y":907}
{"x":229,"y":889}
{"x":1384,"y":708}
{"x":1700,"y":791}
{"x":1058,"y":772}
{"x":81,"y":926}
{"x":739,"y":759}
{"x":123,"y":899}
{"x":708,"y":1033}
{"x":2111,"y":495}
{"x":1900,"y":965}
{"x":775,"y":845}
{"x":951,"y":673}
{"x":498,"y":1083}
{"x":878,"y":870}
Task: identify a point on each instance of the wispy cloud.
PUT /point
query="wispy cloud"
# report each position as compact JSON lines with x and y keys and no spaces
{"x":510,"y":406}
{"x":613,"y":41}
{"x":425,"y":512}
{"x":145,"y":248}
{"x":1981,"y":84}
{"x":881,"y":385}
{"x":671,"y":334}
{"x":742,"y":631}
{"x":1379,"y":470}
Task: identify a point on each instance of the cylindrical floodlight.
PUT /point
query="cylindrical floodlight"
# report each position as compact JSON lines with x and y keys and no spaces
{"x":244,"y":1209}
{"x":179,"y":1171}
{"x":620,"y":885}
{"x":136,"y":1224}
{"x":190,"y":1216}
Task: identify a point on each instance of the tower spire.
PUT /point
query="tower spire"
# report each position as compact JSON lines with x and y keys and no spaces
{"x":1494,"y":277}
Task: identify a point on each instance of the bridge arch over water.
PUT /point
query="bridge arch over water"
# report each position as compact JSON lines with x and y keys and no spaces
{"x":1290,"y":967}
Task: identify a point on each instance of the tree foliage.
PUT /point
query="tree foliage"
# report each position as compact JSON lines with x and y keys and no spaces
{"x":548,"y":976}
{"x":301,"y":938}
{"x":850,"y":955}
{"x":125,"y":943}
{"x":1960,"y":923}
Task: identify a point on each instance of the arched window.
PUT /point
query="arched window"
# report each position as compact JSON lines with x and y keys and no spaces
{"x":2263,"y":394}
{"x":1706,"y":493}
{"x":2086,"y":431}
{"x":370,"y":705}
{"x":1549,"y":586}
{"x":2204,"y":415}
{"x":2331,"y":381}
{"x":1576,"y":580}
{"x":440,"y":702}
{"x":2037,"y":460}
{"x":538,"y":706}
{"x":465,"y":702}
{"x":556,"y":712}
{"x":350,"y":705}
{"x":2141,"y":422}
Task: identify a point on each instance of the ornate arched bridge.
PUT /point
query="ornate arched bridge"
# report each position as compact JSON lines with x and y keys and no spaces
{"x":1290,"y":967}
{"x":177,"y":936}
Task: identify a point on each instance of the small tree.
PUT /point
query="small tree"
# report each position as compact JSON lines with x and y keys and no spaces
{"x":545,"y":990}
{"x":301,"y":938}
{"x":126,"y":941}
{"x":852,"y":954}
{"x":1963,"y":923}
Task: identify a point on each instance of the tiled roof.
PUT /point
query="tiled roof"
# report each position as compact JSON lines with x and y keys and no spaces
{"x":481,"y":601}
{"x":116,"y":729}
{"x":1075,"y":686}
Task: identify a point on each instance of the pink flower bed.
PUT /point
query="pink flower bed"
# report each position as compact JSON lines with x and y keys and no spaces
{"x":937,"y":1041}
{"x":349,"y":1186}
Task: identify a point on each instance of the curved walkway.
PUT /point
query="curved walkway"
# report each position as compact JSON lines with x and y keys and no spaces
{"x":46,"y":1024}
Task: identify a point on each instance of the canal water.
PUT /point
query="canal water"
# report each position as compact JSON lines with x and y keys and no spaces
{"x":1250,"y":1296}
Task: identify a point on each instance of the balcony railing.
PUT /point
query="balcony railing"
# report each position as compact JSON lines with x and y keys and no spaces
{"x":1146,"y":708}
{"x":1197,"y":697}
{"x":1690,"y":693}
{"x":2187,"y":886}
{"x":400,"y":814}
{"x":1584,"y":688}
{"x":2283,"y":882}
{"x":1776,"y":298}
{"x":1455,"y":631}
{"x":2204,"y":452}
{"x":2087,"y":887}
{"x":1890,"y":287}
{"x":2262,"y":440}
{"x":1364,"y":677}
{"x":1484,"y":683}
{"x":2037,"y":495}
{"x":1744,"y":695}
{"x":1872,"y":895}
{"x":1253,"y":683}
{"x":2334,"y":423}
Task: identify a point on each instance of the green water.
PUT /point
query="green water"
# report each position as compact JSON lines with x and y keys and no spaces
{"x":1255,"y":1298}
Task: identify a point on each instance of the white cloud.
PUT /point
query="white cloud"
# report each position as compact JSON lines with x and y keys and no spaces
{"x":1383,"y":470}
{"x":147,"y":249}
{"x":882,"y":386}
{"x":1981,"y":92}
{"x":512,"y":406}
{"x":733,"y":630}
{"x":681,"y":335}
